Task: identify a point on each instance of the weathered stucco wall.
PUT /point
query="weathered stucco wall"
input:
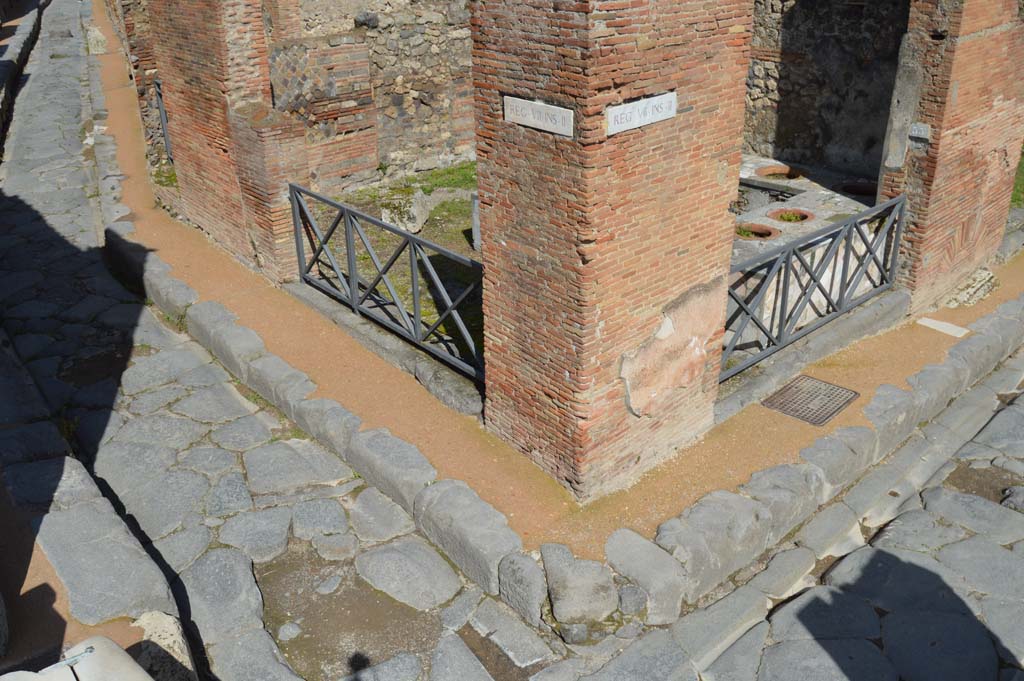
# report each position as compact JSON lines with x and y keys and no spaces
{"x":821,"y":79}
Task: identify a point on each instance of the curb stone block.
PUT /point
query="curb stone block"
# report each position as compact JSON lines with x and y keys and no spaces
{"x":207,"y":320}
{"x":328,"y":421}
{"x":665,"y":580}
{"x":969,"y":413}
{"x":33,"y":442}
{"x":278,"y":382}
{"x":1005,"y":380}
{"x":791,"y":492}
{"x":392,"y":465}
{"x":741,"y":660}
{"x":91,"y":533}
{"x":705,"y":634}
{"x":932,"y":387}
{"x":171,"y":295}
{"x":690,"y":549}
{"x":980,"y":352}
{"x":786,"y":574}
{"x":236,"y":347}
{"x":522,"y":586}
{"x":862,"y":440}
{"x":838,"y":463}
{"x":471,"y":532}
{"x":581,"y":591}
{"x":1006,"y":333}
{"x":734,"y":527}
{"x":833,"y":532}
{"x":893,"y":413}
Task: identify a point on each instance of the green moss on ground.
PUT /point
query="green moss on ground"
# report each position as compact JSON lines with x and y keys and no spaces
{"x":1017,"y":201}
{"x":166,"y":176}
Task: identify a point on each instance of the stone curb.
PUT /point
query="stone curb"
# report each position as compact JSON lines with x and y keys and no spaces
{"x":734,"y":531}
{"x":449,"y":387}
{"x":709,"y":542}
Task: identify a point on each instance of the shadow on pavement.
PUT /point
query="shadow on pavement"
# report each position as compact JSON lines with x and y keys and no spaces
{"x":75,"y":329}
{"x":883,"y":619}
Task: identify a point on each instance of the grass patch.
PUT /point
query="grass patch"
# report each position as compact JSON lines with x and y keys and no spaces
{"x":166,"y":176}
{"x":1017,"y":200}
{"x":449,"y":226}
{"x":840,"y":217}
{"x":176,"y":323}
{"x":289,"y":432}
{"x":745,"y":233}
{"x":791,"y":216}
{"x":257,"y":399}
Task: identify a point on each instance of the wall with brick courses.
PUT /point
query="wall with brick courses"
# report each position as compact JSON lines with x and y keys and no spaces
{"x":969,"y":56}
{"x":606,"y":257}
{"x":215,"y":71}
{"x":821,"y":78}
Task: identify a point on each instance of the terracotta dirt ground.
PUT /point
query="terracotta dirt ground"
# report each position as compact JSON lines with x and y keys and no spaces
{"x":537,"y":507}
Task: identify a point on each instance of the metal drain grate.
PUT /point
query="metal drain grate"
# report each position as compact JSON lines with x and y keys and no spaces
{"x":811,"y":400}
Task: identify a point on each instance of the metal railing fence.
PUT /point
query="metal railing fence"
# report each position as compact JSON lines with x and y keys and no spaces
{"x":419,"y":290}
{"x":781,"y":296}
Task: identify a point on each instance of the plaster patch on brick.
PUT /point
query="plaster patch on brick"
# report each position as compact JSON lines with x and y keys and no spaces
{"x":675,"y":356}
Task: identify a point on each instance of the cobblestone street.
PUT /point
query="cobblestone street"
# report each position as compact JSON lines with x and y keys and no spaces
{"x":259,"y":539}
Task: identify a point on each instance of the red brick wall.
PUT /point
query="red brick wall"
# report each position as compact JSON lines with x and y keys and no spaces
{"x":606,"y":257}
{"x":960,"y":183}
{"x":212,"y":57}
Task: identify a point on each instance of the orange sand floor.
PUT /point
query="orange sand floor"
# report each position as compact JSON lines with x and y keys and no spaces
{"x":384,"y":396}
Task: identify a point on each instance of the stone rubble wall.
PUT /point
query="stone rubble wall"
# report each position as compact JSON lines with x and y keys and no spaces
{"x":821,"y":79}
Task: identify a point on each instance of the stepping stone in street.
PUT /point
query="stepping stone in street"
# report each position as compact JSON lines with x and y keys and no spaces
{"x":410,"y":571}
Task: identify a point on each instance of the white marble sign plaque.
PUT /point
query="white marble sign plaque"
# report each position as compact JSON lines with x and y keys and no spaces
{"x":539,"y":115}
{"x":641,"y":112}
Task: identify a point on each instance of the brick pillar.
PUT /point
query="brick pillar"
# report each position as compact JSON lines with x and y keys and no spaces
{"x":606,"y":257}
{"x":955,"y":136}
{"x":233,"y":154}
